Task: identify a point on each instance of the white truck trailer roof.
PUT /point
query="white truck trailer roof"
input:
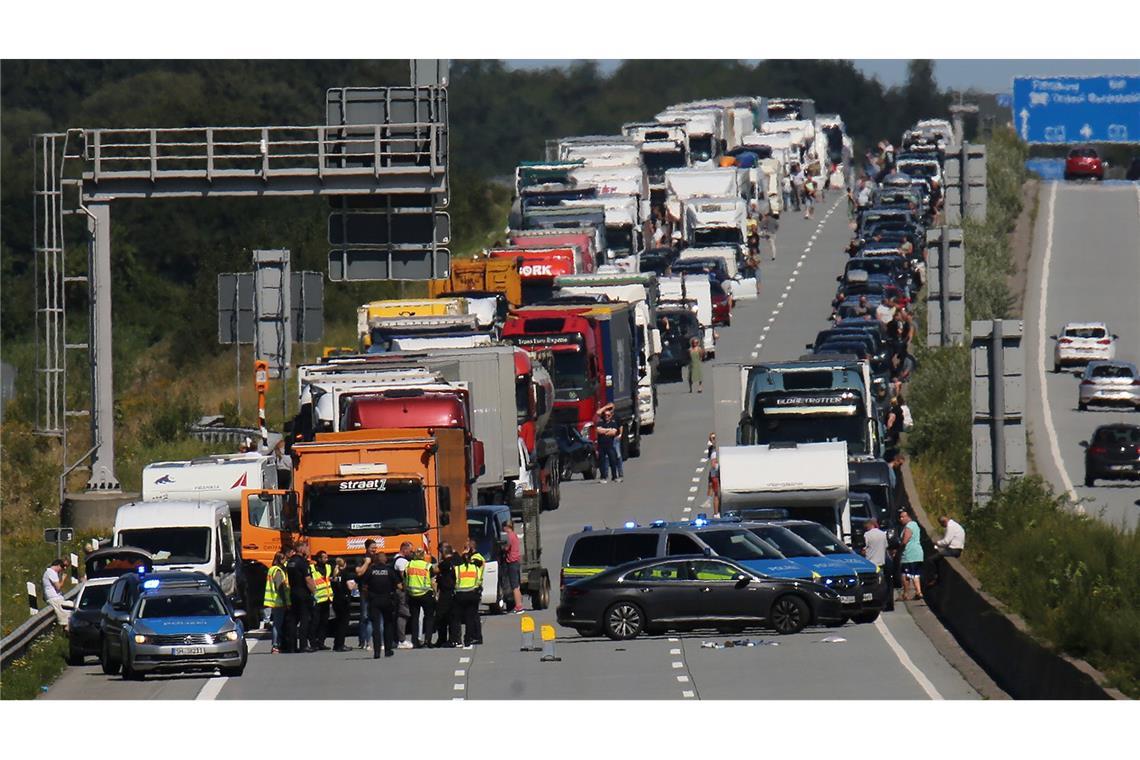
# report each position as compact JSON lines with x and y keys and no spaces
{"x":806,"y":474}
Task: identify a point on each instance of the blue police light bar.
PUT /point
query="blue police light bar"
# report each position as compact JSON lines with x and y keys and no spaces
{"x":657,"y":524}
{"x":152,"y":583}
{"x":141,"y":570}
{"x":703,"y":516}
{"x":587,"y":528}
{"x":631,"y":524}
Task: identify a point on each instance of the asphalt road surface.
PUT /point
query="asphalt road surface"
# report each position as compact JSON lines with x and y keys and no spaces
{"x":890,"y":659}
{"x":1085,"y":267}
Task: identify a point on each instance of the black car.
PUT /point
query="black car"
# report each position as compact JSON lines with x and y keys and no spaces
{"x":688,"y":592}
{"x":1113,"y":454}
{"x":678,"y":327}
{"x":1133,"y":173}
{"x":102,"y":568}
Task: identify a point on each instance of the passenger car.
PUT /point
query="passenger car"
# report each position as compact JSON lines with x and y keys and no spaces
{"x":1084,"y":163}
{"x":1133,"y":173}
{"x":685,"y":592}
{"x":1113,"y":454}
{"x":102,"y":568}
{"x":1081,"y":342}
{"x":1112,"y":382}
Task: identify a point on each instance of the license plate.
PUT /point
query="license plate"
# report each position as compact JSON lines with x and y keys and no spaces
{"x":1122,"y":467}
{"x":868,"y":597}
{"x":847,"y":599}
{"x":188,"y":651}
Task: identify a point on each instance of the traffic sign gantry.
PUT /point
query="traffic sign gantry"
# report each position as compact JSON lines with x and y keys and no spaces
{"x":1072,"y":109}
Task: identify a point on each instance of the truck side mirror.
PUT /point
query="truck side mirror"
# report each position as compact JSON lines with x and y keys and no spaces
{"x":444,"y":505}
{"x":289,"y":517}
{"x":480,"y":462}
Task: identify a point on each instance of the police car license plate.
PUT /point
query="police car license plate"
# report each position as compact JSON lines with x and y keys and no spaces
{"x":847,"y":600}
{"x":188,"y":651}
{"x":868,"y":597}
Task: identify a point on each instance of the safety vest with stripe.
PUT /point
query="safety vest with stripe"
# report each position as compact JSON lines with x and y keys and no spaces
{"x":467,"y":576}
{"x":272,"y":598}
{"x":323,"y":592}
{"x":418,"y":577}
{"x":482,"y":563}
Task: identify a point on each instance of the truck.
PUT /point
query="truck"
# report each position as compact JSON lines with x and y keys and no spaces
{"x":220,"y":477}
{"x":705,"y":130}
{"x":594,"y":359}
{"x":810,"y":400}
{"x":664,"y":146}
{"x":641,"y":291}
{"x":685,"y":185}
{"x":386,"y":335}
{"x":695,"y":293}
{"x":404,"y":307}
{"x":539,"y":265}
{"x":742,"y":283}
{"x":790,"y":109}
{"x":717,"y":221}
{"x":805,"y":480}
{"x":486,"y":526}
{"x":389,"y":486}
{"x":586,"y":217}
{"x":743,"y":115}
{"x":481,"y":275}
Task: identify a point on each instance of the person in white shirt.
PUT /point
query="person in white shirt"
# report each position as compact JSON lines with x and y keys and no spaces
{"x":875,"y":550}
{"x":885,"y":311}
{"x":53,"y":583}
{"x":953,"y":540}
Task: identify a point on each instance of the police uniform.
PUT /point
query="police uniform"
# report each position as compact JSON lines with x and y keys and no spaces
{"x":323,"y":602}
{"x":468,"y":592}
{"x":421,"y":597}
{"x":277,"y":603}
{"x":298,"y":622}
{"x":382,"y":582}
{"x":445,"y":606}
{"x":341,"y":607}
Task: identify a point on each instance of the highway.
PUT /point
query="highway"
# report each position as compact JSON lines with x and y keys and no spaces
{"x":1085,"y":266}
{"x":890,"y":659}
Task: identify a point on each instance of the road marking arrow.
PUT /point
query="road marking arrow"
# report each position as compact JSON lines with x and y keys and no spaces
{"x":1086,"y":131}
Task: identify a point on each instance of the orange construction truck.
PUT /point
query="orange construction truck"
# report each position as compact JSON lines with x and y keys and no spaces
{"x":481,"y":275}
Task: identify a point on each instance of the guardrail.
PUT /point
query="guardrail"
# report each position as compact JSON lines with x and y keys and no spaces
{"x":16,"y":643}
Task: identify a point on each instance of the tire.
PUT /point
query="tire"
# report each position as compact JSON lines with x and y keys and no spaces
{"x":635,"y":447}
{"x":1056,"y":368}
{"x":1090,"y":480}
{"x":552,"y":499}
{"x":565,"y":470}
{"x":592,"y":470}
{"x":109,"y":665}
{"x":866,"y":617}
{"x":130,"y":674}
{"x":623,"y":621}
{"x":1082,"y":407}
{"x":74,"y":658}
{"x":789,"y":615}
{"x":540,"y":598}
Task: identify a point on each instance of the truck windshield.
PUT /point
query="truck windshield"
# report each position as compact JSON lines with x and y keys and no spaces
{"x":789,"y":544}
{"x":619,"y":240}
{"x":701,"y":148}
{"x":820,"y":537}
{"x":738,"y":544}
{"x":377,"y":507}
{"x":539,"y":289}
{"x":171,"y":546}
{"x":812,"y":428}
{"x":569,"y":375}
{"x":657,"y":163}
{"x":717,"y":236}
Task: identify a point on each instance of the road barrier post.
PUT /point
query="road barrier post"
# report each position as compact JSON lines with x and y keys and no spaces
{"x":548,"y":645}
{"x":527,"y":627}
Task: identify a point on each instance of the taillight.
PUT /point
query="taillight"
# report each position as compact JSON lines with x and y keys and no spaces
{"x":1136,"y":381}
{"x":1065,"y":340}
{"x":1104,"y":341}
{"x":561,"y":579}
{"x":1098,"y":450}
{"x":1088,"y":382}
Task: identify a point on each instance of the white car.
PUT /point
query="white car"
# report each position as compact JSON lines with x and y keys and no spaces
{"x":1082,"y":342}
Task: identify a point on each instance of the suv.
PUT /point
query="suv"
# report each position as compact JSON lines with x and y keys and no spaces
{"x":1113,"y":454}
{"x":172,"y":621}
{"x":1084,"y":163}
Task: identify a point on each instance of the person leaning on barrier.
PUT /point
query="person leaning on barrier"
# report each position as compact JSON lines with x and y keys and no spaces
{"x":54,"y":581}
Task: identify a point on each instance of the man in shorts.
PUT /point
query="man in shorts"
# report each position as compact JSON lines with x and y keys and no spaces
{"x":911,"y":539}
{"x":512,"y":566}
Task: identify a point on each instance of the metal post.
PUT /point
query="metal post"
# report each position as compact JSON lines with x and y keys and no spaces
{"x":237,"y":345}
{"x":964,"y":173}
{"x":997,"y":404}
{"x":102,"y":391}
{"x":944,"y":284}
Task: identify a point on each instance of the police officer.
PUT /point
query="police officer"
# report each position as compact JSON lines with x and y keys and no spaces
{"x":445,"y":607}
{"x":301,"y":589}
{"x":321,"y":571}
{"x":341,"y":604}
{"x":382,"y":582}
{"x":468,"y":592}
{"x":421,"y":597}
{"x":276,"y":599}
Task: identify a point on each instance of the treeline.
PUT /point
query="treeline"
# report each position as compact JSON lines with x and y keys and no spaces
{"x":166,"y":255}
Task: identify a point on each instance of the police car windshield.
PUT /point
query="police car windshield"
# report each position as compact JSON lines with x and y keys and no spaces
{"x":373,"y":506}
{"x":181,"y":605}
{"x":171,"y":546}
{"x":738,"y":545}
{"x":819,"y":537}
{"x":789,"y":544}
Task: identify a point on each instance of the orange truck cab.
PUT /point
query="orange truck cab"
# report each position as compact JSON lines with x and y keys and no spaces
{"x":390,"y":485}
{"x":481,"y":275}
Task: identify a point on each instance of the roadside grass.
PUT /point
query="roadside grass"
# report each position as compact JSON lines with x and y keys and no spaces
{"x":28,"y":676}
{"x":1074,"y":579}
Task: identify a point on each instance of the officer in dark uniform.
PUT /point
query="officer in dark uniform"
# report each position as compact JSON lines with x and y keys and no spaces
{"x":302,"y":588}
{"x":341,"y":604}
{"x":382,"y":581}
{"x":445,"y":606}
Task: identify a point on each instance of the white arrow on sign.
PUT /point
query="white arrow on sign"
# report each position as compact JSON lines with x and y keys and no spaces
{"x":1024,"y":123}
{"x":1086,"y":131}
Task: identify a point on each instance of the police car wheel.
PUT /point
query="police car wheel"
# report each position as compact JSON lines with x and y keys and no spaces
{"x":130,"y":674}
{"x":109,"y":666}
{"x":789,"y":614}
{"x":74,"y":657}
{"x":866,"y":617}
{"x":624,"y":620}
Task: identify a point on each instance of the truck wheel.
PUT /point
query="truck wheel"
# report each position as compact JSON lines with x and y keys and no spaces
{"x":551,"y":499}
{"x":591,"y":471}
{"x":647,"y":429}
{"x":635,"y":446}
{"x":540,"y":597}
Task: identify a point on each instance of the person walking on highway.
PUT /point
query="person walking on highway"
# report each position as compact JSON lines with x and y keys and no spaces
{"x":402,"y":612}
{"x":712,"y":453}
{"x":302,"y":588}
{"x":468,"y":592}
{"x":321,"y":571}
{"x":418,"y":577}
{"x":276,"y":600}
{"x":512,"y":566}
{"x":360,"y":592}
{"x":445,"y":605}
{"x":696,"y":357}
{"x":810,"y":187}
{"x":769,"y":225}
{"x":382,"y":582}
{"x":341,"y":603}
{"x":54,"y":580}
{"x":875,"y":550}
{"x":911,"y":539}
{"x":609,"y":432}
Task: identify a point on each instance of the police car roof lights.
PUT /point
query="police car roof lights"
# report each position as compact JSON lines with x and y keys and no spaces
{"x":631,"y":524}
{"x":152,"y":583}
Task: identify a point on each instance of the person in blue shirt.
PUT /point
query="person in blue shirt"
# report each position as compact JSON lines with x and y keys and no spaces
{"x":911,"y":539}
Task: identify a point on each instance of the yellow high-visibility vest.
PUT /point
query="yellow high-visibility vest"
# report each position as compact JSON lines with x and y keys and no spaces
{"x":483,"y":562}
{"x":466,"y":577}
{"x":418,"y":573}
{"x":324,"y":591}
{"x":272,"y":598}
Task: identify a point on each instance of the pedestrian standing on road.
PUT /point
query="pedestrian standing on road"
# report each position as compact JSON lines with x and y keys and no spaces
{"x":302,"y":589}
{"x":321,"y":571}
{"x":696,"y":357}
{"x":609,"y":432}
{"x":403,"y":613}
{"x":54,"y":581}
{"x":894,"y":422}
{"x":712,"y":453}
{"x":468,"y":572}
{"x":911,"y":539}
{"x":809,"y":196}
{"x":798,"y":180}
{"x":875,"y":550}
{"x":769,"y":225}
{"x":445,"y":604}
{"x":341,"y":603}
{"x":276,"y":600}
{"x":512,"y":564}
{"x":382,"y":582}
{"x":419,"y":584}
{"x":360,"y":592}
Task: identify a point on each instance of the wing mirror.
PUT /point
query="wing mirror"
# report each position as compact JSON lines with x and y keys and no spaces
{"x":743,"y":581}
{"x":1083,"y":444}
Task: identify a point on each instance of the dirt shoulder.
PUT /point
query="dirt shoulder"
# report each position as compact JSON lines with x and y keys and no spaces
{"x":1021,"y":245}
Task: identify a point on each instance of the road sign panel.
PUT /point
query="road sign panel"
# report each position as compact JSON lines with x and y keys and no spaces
{"x":1071,"y":109}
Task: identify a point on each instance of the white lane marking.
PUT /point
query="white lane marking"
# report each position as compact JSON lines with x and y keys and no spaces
{"x":213,"y":687}
{"x":671,"y":638}
{"x":904,"y":658}
{"x":704,"y":459}
{"x":458,"y":687}
{"x":693,"y":489}
{"x":780,"y":304}
{"x":754,"y":354}
{"x":687,"y":509}
{"x":695,"y":480}
{"x":460,"y":673}
{"x":771,"y":320}
{"x":1042,"y":328}
{"x":674,"y":651}
{"x":678,"y":665}
{"x":767,"y":328}
{"x":691,"y":498}
{"x":699,"y":470}
{"x":464,"y":660}
{"x":687,"y":694}
{"x":682,"y":679}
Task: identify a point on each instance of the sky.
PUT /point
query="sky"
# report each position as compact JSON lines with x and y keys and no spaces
{"x":985,"y":75}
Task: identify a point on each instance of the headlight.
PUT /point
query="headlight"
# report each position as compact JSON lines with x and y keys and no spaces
{"x":828,"y":581}
{"x":140,"y":639}
{"x":230,"y":636}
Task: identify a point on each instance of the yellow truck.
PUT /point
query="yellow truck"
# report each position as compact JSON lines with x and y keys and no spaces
{"x":408,"y":307}
{"x":482,"y":275}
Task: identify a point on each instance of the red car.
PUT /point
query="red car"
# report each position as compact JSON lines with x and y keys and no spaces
{"x":1084,"y":163}
{"x":721,"y":305}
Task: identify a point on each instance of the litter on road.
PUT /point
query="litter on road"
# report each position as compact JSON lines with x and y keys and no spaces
{"x":832,"y":640}
{"x":733,"y":643}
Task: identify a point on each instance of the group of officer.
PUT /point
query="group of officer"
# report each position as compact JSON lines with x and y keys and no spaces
{"x":300,"y":594}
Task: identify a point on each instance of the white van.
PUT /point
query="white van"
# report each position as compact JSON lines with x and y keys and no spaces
{"x":696,"y":292}
{"x":195,"y":536}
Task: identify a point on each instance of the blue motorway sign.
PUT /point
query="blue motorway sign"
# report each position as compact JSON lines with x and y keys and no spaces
{"x":1075,"y":109}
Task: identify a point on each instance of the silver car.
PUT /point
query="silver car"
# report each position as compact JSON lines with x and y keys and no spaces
{"x":1109,"y":382}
